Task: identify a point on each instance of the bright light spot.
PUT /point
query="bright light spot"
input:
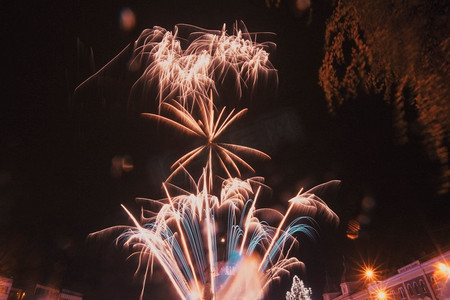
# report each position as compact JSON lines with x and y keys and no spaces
{"x":369,"y":273}
{"x":381,"y":295}
{"x":245,"y":283}
{"x":444,"y":269}
{"x":222,"y":240}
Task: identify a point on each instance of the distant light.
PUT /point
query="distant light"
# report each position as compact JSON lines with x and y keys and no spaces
{"x":381,"y":295}
{"x":444,"y":269}
{"x":369,"y":273}
{"x":127,"y":19}
{"x":222,"y":240}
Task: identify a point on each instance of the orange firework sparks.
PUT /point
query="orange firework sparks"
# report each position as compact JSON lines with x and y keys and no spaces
{"x":175,"y":236}
{"x":188,"y":75}
{"x":209,"y":127}
{"x":202,"y":257}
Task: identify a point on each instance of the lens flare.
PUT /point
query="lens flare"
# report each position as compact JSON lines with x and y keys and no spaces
{"x":368,"y":273}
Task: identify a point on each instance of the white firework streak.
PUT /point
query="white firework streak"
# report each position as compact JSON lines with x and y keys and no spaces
{"x":209,"y":127}
{"x":189,"y":75}
{"x":182,"y":234}
{"x":182,"y":237}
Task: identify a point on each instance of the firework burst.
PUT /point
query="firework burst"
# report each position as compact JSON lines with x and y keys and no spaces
{"x":209,"y":126}
{"x":206,"y":258}
{"x":190,"y":73}
{"x":213,"y":246}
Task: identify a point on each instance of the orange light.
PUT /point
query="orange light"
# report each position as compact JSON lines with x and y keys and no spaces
{"x":444,"y":270}
{"x":381,"y":295}
{"x":443,"y":267}
{"x":369,"y":273}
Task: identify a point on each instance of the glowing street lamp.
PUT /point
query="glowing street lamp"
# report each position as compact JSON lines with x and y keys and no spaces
{"x":381,"y":295}
{"x":371,"y":280}
{"x":369,"y":274}
{"x":443,"y":270}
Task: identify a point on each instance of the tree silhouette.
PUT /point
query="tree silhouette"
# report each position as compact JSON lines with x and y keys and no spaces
{"x":400,"y":50}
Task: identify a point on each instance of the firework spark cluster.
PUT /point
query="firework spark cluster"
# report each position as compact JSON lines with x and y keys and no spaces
{"x":186,"y":73}
{"x":204,"y":243}
{"x":189,"y":68}
{"x":213,"y":245}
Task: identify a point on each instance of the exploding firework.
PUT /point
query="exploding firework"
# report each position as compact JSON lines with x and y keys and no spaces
{"x":209,"y":127}
{"x":187,"y":78}
{"x":207,"y":245}
{"x":213,"y":245}
{"x":208,"y":59}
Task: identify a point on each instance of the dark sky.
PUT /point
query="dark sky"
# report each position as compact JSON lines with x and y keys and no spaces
{"x":57,"y":147}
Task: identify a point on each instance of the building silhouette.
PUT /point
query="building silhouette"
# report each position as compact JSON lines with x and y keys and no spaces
{"x":428,"y":280}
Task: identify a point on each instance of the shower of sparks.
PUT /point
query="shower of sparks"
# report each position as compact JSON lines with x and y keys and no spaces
{"x":209,"y":127}
{"x":182,"y":236}
{"x":186,"y":84}
{"x":213,"y":246}
{"x":191,"y":73}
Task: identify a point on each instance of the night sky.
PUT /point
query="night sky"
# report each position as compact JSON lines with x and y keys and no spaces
{"x":57,"y":148}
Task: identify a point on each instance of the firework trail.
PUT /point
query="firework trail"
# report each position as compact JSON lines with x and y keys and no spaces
{"x":213,"y":246}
